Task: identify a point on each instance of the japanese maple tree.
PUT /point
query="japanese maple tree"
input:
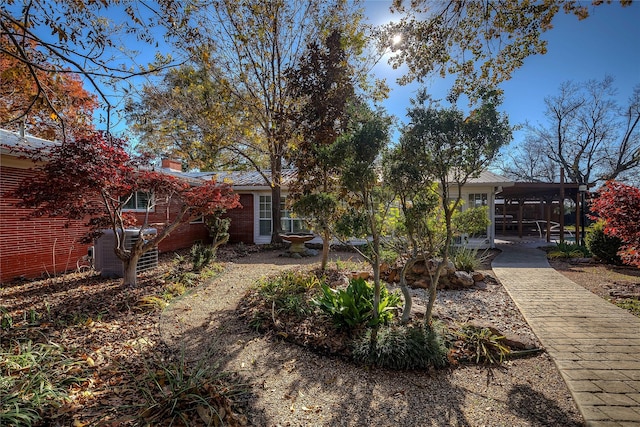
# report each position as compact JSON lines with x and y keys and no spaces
{"x":92,"y":177}
{"x":618,"y":205}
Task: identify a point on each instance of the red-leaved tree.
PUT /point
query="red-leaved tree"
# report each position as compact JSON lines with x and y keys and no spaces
{"x":618,"y":205}
{"x":92,"y":177}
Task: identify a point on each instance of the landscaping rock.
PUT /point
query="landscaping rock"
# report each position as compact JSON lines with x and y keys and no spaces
{"x":365,"y":275}
{"x":461,"y":279}
{"x":480,"y":285}
{"x":477,"y":276}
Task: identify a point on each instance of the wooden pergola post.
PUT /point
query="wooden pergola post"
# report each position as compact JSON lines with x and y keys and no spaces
{"x":520,"y":215}
{"x":561,"y":219}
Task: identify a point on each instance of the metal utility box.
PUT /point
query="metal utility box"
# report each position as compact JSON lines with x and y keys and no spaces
{"x":109,"y":265}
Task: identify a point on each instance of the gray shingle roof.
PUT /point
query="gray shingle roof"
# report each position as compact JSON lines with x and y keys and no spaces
{"x":12,"y":142}
{"x":246,"y":178}
{"x":490,"y":178}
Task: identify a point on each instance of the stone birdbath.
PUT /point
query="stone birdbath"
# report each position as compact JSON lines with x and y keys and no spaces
{"x":297,"y":242}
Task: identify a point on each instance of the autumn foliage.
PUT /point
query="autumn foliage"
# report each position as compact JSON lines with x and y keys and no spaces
{"x":91,"y":177}
{"x":45,"y":101}
{"x":618,"y":205}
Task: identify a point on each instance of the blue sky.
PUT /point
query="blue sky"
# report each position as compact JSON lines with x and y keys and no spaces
{"x":606,"y":43}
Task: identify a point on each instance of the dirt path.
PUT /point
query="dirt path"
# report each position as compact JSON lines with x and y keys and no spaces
{"x":195,"y":320}
{"x":294,"y":387}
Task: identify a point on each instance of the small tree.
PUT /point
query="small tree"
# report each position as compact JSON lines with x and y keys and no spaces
{"x":93,"y":177}
{"x":619,"y":206}
{"x":323,"y":85}
{"x":368,"y":200}
{"x":448,"y":149}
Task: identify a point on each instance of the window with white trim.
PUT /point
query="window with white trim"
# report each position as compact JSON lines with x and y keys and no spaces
{"x":289,"y":222}
{"x":139,"y":201}
{"x":265,"y":215}
{"x":197,"y":220}
{"x":478,"y":199}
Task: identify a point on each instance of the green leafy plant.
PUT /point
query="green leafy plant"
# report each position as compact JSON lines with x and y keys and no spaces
{"x":6,"y":321}
{"x":178,"y":392}
{"x":402,"y":347}
{"x":287,"y":291}
{"x":478,"y":345}
{"x":568,"y":250}
{"x":33,"y":377}
{"x":353,"y":306}
{"x":201,"y":256}
{"x":601,"y":245}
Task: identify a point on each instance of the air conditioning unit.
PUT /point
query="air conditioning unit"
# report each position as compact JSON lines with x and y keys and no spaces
{"x":109,"y":265}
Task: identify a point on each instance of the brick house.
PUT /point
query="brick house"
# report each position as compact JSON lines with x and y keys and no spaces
{"x":252,"y":223}
{"x":44,"y":246}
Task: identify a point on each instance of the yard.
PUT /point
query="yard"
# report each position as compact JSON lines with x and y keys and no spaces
{"x":91,"y":352}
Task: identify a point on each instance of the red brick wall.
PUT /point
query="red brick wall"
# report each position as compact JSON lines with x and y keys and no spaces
{"x":241,"y":228}
{"x":28,"y":247}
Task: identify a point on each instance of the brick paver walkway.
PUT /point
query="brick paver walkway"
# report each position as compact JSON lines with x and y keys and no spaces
{"x":595,"y":345}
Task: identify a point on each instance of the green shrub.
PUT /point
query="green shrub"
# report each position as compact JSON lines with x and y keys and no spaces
{"x":602,"y":246}
{"x":478,"y":345}
{"x":286,"y":292}
{"x":201,"y":256}
{"x":353,"y":306}
{"x":568,"y":250}
{"x":402,"y":347}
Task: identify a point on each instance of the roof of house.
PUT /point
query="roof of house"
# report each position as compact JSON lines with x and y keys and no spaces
{"x":252,"y":180}
{"x":247,"y":179}
{"x":490,"y":178}
{"x":13,"y":142}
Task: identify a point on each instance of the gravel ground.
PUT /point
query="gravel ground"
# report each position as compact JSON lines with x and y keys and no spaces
{"x":291,"y":386}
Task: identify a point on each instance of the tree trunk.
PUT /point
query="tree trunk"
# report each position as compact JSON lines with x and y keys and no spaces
{"x":276,"y":198}
{"x":408,"y":300}
{"x":376,"y":277}
{"x":130,"y":277}
{"x":326,"y":236}
{"x":433,"y":287}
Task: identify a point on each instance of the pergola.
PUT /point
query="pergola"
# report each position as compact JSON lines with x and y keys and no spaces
{"x":544,"y":196}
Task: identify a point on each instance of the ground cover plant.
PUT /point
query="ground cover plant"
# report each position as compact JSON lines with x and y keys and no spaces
{"x":80,"y":350}
{"x":331,"y":311}
{"x":568,"y":250}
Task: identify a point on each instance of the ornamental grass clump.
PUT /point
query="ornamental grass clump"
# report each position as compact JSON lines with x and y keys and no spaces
{"x":402,"y":347}
{"x":472,"y":344}
{"x":569,"y":250}
{"x":287,"y":292}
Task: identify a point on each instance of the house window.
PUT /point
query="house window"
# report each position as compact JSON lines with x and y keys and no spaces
{"x":288,"y":221}
{"x":139,"y":202}
{"x":197,"y":220}
{"x":290,"y":224}
{"x":265,"y":215}
{"x":477,"y":200}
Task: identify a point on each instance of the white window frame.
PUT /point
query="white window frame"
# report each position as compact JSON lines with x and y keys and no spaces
{"x":287,"y":221}
{"x":197,"y":220}
{"x":483,"y":198}
{"x":264,"y":214}
{"x":136,"y":202}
